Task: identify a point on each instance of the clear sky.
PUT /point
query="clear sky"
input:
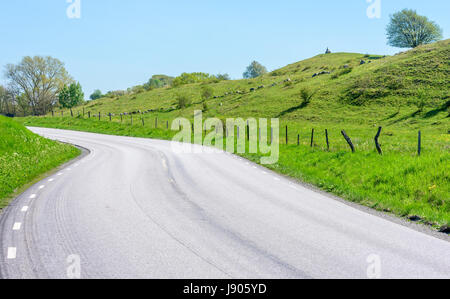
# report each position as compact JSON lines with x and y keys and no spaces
{"x":117,"y":44}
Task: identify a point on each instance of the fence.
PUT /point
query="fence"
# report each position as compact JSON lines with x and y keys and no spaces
{"x":346,"y":137}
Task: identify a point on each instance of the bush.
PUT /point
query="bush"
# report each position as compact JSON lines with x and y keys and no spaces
{"x":207,"y":92}
{"x":306,"y":95}
{"x":183,"y":101}
{"x":205,"y":107}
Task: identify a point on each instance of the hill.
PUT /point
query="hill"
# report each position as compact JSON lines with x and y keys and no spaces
{"x":396,"y":82}
{"x":403,"y":94}
{"x":24,"y":156}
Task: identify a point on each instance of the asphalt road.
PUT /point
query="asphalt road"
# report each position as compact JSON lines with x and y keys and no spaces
{"x":133,"y":208}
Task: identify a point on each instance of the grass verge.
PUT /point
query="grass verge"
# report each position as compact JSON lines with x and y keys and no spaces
{"x":25,"y":156}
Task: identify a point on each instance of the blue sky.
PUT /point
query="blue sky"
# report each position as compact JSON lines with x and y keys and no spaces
{"x":117,"y":44}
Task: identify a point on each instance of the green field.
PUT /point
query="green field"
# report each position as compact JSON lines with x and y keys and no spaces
{"x":25,"y":156}
{"x":404,"y":93}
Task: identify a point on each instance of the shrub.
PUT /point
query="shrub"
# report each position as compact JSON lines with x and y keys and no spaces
{"x":183,"y":101}
{"x":207,"y":92}
{"x":306,"y":95}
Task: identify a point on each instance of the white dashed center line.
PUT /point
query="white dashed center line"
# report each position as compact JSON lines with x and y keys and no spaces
{"x":32,"y":196}
{"x":59,"y":173}
{"x":24,"y":209}
{"x":276,"y":179}
{"x":42,"y":187}
{"x":17,"y":226}
{"x":51,"y":180}
{"x":12,"y":251}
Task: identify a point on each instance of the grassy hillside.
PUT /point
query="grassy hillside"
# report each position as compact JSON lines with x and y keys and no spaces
{"x":404,"y":93}
{"x":24,"y":156}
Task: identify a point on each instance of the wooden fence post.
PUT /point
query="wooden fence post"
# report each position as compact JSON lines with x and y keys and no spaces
{"x":326,"y":136}
{"x":248,"y":131}
{"x":156,"y":123}
{"x":167,"y":125}
{"x":377,"y":144}
{"x":71,"y":112}
{"x":110,"y":116}
{"x":83,"y":112}
{"x":312,"y":138}
{"x":143,"y":122}
{"x":287,"y":140}
{"x":349,"y":141}
{"x":53,"y":113}
{"x":298,"y":139}
{"x":62,"y":113}
{"x":99,"y":115}
{"x":419,"y":149}
{"x":89,"y":114}
{"x":121,"y":117}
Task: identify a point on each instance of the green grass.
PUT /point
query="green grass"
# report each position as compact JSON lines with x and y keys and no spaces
{"x":24,"y":156}
{"x":385,"y":92}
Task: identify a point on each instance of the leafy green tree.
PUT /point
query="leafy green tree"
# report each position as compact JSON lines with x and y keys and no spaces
{"x":189,"y":78}
{"x":39,"y":79}
{"x":71,"y":96}
{"x":223,"y":77}
{"x":407,"y":29}
{"x":97,"y":94}
{"x":255,"y":69}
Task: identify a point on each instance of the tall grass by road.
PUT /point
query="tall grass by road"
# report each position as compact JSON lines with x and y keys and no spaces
{"x":24,"y":156}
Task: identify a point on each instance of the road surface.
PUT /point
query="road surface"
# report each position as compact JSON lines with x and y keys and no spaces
{"x":133,"y":208}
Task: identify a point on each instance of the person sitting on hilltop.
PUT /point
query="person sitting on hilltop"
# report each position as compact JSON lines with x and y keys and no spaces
{"x":328,"y":51}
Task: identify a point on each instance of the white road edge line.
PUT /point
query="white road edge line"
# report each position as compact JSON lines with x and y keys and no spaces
{"x":24,"y":209}
{"x":12,"y":252}
{"x":17,"y":226}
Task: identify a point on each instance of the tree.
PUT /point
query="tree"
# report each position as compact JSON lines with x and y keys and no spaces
{"x":189,"y":78}
{"x":223,"y":77}
{"x":97,"y":94}
{"x":255,"y":69}
{"x":71,"y":96}
{"x":407,"y":29}
{"x":39,"y":79}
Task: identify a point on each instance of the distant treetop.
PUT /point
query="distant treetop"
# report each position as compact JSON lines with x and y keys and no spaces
{"x":254,"y":70}
{"x":407,"y":29}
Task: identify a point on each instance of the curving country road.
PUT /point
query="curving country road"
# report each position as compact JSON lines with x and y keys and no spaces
{"x":132,"y":208}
